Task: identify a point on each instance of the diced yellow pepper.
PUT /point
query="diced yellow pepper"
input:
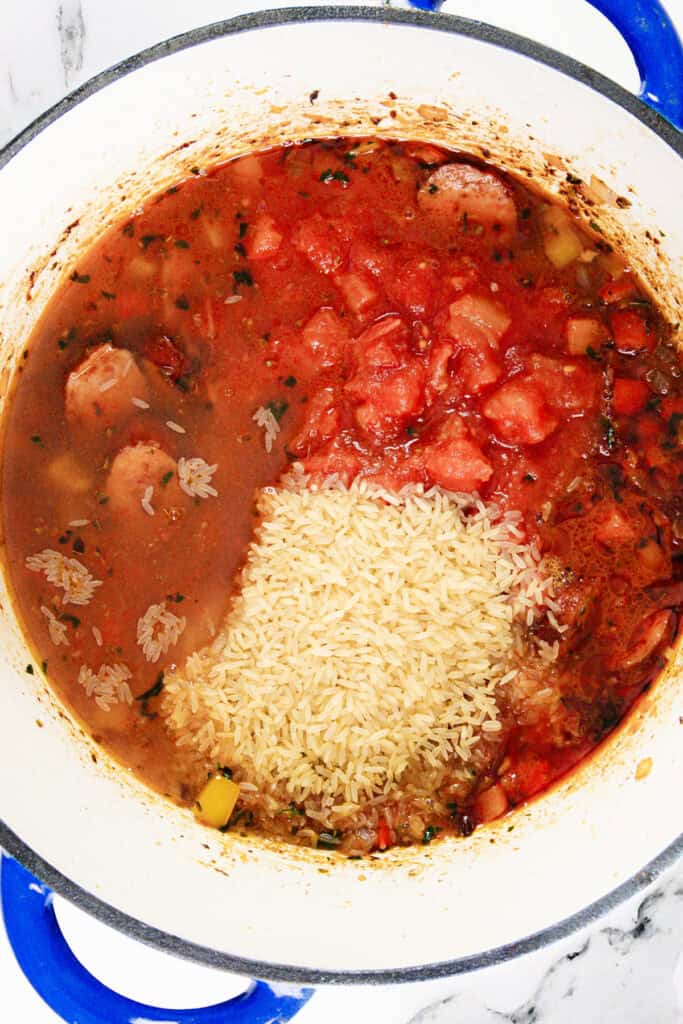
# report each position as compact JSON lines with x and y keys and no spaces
{"x":216,"y":801}
{"x":561,"y":242}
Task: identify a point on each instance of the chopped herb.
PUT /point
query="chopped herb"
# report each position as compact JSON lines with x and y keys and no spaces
{"x":180,"y":243}
{"x":194,"y":170}
{"x":433,"y":188}
{"x":154,"y":690}
{"x":289,"y":382}
{"x":244,"y":227}
{"x":292,"y":811}
{"x":411,"y":431}
{"x":183,"y":384}
{"x":496,"y":255}
{"x":108,"y":295}
{"x":166,"y":478}
{"x":103,"y":500}
{"x":37,"y":439}
{"x":526,"y":282}
{"x":80,"y":278}
{"x":592,"y":354}
{"x":529,"y":478}
{"x":350,"y":158}
{"x":148,"y":239}
{"x":330,"y":840}
{"x":241,"y":251}
{"x":195,"y":213}
{"x":128,"y":229}
{"x":429,"y":833}
{"x":182,"y":302}
{"x":176,"y":598}
{"x":278,"y":407}
{"x":172,"y":190}
{"x":62,"y":343}
{"x":72,"y":619}
{"x":525,"y":212}
{"x":223,"y":770}
{"x":78,"y":545}
{"x":43,"y":667}
{"x":64,"y":539}
{"x":242,"y":277}
{"x":29,"y":669}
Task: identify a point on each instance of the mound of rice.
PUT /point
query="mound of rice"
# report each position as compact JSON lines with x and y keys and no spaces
{"x":371,"y":634}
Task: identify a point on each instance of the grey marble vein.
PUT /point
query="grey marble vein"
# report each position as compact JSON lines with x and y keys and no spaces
{"x":617,"y":976}
{"x":71,"y":28}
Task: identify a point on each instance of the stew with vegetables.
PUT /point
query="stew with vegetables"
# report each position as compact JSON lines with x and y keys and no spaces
{"x":389,"y":311}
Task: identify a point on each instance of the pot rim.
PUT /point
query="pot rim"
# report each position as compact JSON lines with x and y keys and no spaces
{"x":174,"y":944}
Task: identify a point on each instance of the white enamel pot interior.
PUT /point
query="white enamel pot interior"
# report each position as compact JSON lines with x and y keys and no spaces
{"x":89,"y":828}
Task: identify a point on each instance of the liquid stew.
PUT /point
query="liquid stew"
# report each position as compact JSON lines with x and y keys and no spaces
{"x":354,"y":309}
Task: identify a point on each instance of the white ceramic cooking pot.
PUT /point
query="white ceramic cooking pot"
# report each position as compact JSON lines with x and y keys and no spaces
{"x":90,"y":829}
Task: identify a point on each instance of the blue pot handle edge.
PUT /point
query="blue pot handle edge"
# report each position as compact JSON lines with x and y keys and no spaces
{"x":654,"y":42}
{"x":76,"y":996}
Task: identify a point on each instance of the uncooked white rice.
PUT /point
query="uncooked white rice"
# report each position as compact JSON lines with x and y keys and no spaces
{"x":109,"y":685}
{"x":67,"y":573}
{"x":264,"y":417}
{"x":97,"y":633}
{"x":172,"y":425}
{"x":372,"y":634}
{"x":140,"y":402}
{"x":79,"y":522}
{"x":57,"y":630}
{"x":158,"y":630}
{"x":146,"y":500}
{"x":194,"y":477}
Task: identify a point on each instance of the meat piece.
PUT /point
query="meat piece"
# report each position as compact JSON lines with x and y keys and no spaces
{"x":465,"y":195}
{"x":99,"y":391}
{"x":135,"y":470}
{"x":650,"y":634}
{"x":519,"y":413}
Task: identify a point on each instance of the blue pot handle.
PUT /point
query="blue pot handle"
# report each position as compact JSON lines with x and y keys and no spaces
{"x":654,"y":43}
{"x":79,"y":998}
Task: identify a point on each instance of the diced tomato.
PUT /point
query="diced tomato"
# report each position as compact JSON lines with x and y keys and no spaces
{"x":528,"y":774}
{"x":630,"y":396}
{"x":359,"y":294}
{"x":615,"y":528}
{"x":335,"y":458}
{"x":519,"y":413}
{"x":381,"y":343}
{"x":477,"y":320}
{"x":130,"y":303}
{"x":583,"y":333}
{"x":480,"y":369}
{"x":465,"y":195}
{"x":413,"y":287}
{"x":490,"y":804}
{"x":631,"y":333}
{"x":263,"y":238}
{"x":317,"y":240}
{"x":395,"y":399}
{"x":458,"y":465}
{"x":166,"y":354}
{"x":323,"y":339}
{"x":616,"y":291}
{"x":365,"y":256}
{"x":567,"y":386}
{"x":323,"y":420}
{"x":437,"y":370}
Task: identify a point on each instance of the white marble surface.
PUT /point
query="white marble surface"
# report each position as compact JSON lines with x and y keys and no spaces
{"x":625,"y":969}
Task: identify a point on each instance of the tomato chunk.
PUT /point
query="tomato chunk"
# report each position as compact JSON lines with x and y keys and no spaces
{"x":631,"y":333}
{"x":358,"y":293}
{"x":317,"y":240}
{"x":323,"y":420}
{"x":263,"y":239}
{"x":519,"y":413}
{"x":476,"y":320}
{"x":394,"y":400}
{"x":458,"y":465}
{"x":618,"y":290}
{"x":615,"y":528}
{"x":630,"y":396}
{"x":323,"y":339}
{"x":490,"y":804}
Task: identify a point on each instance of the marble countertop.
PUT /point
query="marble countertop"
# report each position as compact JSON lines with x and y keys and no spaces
{"x":628,"y":967}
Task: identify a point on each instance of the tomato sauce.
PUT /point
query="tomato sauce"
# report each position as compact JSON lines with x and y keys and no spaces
{"x":406,"y":315}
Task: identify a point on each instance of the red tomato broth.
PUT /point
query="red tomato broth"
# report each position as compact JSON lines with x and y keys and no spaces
{"x":397,"y":330}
